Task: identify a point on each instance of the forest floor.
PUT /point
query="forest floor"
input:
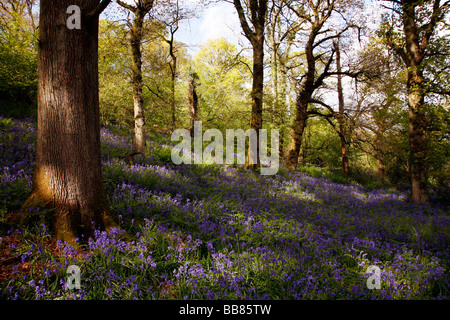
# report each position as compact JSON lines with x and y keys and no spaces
{"x":215,"y":232}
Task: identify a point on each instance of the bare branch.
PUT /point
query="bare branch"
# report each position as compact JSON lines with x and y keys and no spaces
{"x":320,"y":102}
{"x":393,"y":9}
{"x":127,"y":6}
{"x":431,"y":26}
{"x":99,"y":9}
{"x":318,"y":83}
{"x":155,"y":93}
{"x":243,"y":20}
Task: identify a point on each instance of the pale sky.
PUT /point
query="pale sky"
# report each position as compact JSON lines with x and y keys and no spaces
{"x":221,"y":21}
{"x":218,"y":21}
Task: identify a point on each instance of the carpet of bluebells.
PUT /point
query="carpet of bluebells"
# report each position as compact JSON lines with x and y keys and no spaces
{"x":215,"y":232}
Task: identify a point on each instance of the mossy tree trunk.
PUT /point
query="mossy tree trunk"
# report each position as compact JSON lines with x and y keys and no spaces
{"x":418,"y":31}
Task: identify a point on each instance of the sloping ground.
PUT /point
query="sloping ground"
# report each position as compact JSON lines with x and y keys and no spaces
{"x":213,"y":232}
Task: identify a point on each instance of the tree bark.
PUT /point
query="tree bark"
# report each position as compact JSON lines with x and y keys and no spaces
{"x":308,"y":11}
{"x":344,"y":150}
{"x":282,"y":93}
{"x":380,"y":165}
{"x":140,"y":9}
{"x":138,"y":98}
{"x":298,"y":127}
{"x":68,"y":169}
{"x":193,"y":102}
{"x":417,"y":138}
{"x":413,"y":59}
{"x":412,"y":53}
{"x":173,"y":74}
{"x":257,"y":11}
{"x":278,"y":63}
{"x":301,"y":105}
{"x":257,"y":98}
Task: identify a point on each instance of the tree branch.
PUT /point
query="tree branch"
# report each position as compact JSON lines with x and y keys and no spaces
{"x":243,"y":20}
{"x":400,"y":51}
{"x":155,"y":93}
{"x":127,"y":6}
{"x":337,"y":35}
{"x":324,"y":105}
{"x":317,"y":113}
{"x":99,"y":9}
{"x":325,"y":72}
{"x":441,"y":92}
{"x":393,"y":9}
{"x":430,"y":27}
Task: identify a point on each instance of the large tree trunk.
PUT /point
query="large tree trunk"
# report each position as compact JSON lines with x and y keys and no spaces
{"x":344,"y":150}
{"x":416,"y":94}
{"x":416,"y":40}
{"x":68,"y":169}
{"x":138,"y":98}
{"x":417,"y":138}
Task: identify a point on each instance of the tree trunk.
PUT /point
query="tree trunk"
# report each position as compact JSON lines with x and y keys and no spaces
{"x":298,"y":126}
{"x":301,"y":111}
{"x":344,"y":150}
{"x":256,"y":12}
{"x":138,"y":98}
{"x":282,"y":92}
{"x":68,"y":170}
{"x":193,"y":102}
{"x":173,"y":73}
{"x":136,"y":34}
{"x":380,"y":165}
{"x":257,"y":99}
{"x":417,"y":138}
{"x":378,"y":147}
{"x":416,"y":94}
{"x":274,"y":63}
{"x":276,"y":36}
